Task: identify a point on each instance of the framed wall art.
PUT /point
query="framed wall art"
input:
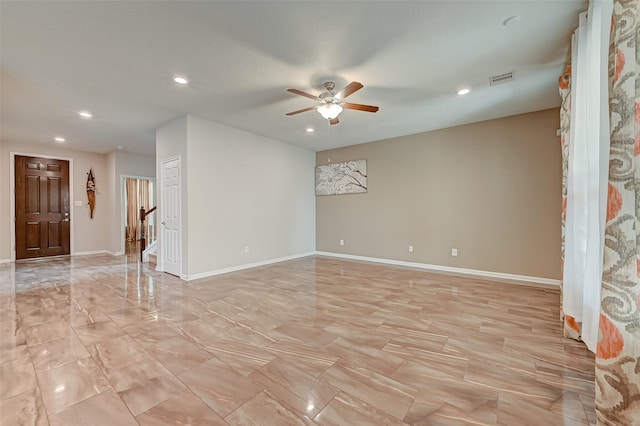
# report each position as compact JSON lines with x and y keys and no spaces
{"x":349,"y":177}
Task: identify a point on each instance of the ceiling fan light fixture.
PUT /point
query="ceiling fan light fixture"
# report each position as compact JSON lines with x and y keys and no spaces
{"x":330,"y":110}
{"x":182,"y":81}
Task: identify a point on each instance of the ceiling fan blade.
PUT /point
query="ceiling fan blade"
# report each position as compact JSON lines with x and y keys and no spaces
{"x":334,"y":121}
{"x":360,"y":107}
{"x":301,"y":110}
{"x":305,"y":94}
{"x":352,"y":87}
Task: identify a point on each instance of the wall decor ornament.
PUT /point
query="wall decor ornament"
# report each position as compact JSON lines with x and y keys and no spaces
{"x":91,"y":192}
{"x":617,"y":396}
{"x":349,"y":177}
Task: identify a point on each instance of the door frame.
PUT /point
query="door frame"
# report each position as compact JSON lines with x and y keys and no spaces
{"x":123,"y":196}
{"x":160,"y":265}
{"x":12,"y":201}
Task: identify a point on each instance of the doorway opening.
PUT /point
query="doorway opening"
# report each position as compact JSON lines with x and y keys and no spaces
{"x":138,"y":193}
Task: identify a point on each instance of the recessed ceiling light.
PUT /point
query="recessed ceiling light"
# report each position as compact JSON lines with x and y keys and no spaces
{"x":85,"y":114}
{"x":180,"y":80}
{"x":59,"y":139}
{"x":310,"y":130}
{"x":463,"y":91}
{"x":120,"y":147}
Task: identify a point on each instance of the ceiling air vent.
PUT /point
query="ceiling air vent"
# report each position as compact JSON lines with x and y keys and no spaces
{"x":502,"y":78}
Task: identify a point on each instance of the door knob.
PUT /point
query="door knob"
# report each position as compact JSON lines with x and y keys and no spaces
{"x":164,"y":223}
{"x":65,"y":220}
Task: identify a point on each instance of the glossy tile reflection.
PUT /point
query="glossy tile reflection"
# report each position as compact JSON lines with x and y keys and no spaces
{"x":319,"y":341}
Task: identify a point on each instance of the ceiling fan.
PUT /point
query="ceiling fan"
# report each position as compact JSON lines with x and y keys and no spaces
{"x":331,"y":104}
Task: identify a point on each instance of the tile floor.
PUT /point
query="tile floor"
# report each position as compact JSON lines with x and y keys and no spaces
{"x":99,"y":340}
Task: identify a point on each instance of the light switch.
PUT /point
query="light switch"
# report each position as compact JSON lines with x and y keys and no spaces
{"x":77,"y":203}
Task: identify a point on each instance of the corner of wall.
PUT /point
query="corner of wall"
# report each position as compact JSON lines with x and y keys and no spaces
{"x":490,"y":189}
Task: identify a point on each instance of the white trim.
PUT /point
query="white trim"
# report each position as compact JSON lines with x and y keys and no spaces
{"x":123,"y":195}
{"x":88,"y":253}
{"x":153,"y":248}
{"x":160,"y":257}
{"x":245,"y":266}
{"x":12,"y":197}
{"x":511,"y":278}
{"x":80,"y":253}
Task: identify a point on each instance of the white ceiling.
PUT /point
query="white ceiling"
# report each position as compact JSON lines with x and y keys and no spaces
{"x":117,"y":59}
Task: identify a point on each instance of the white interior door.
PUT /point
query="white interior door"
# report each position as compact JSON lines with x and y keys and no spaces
{"x":170,"y":244}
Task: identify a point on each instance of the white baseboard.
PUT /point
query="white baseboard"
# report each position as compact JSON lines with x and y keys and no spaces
{"x":79,"y":253}
{"x":88,"y":253}
{"x":153,"y":248}
{"x":245,"y":266}
{"x":511,"y":278}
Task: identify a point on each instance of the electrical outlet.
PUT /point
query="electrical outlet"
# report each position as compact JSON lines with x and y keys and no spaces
{"x":410,"y":249}
{"x":454,"y":252}
{"x":246,"y":249}
{"x":341,"y":242}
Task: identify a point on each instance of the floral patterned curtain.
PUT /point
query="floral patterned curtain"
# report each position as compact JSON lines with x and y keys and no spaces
{"x":618,"y":351}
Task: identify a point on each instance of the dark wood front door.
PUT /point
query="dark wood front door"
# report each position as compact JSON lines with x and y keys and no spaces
{"x":42,"y":207}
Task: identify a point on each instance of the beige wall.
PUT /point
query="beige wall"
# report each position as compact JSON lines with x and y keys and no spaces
{"x":489,"y":189}
{"x":238,"y":189}
{"x":4,"y":202}
{"x":246,"y":190}
{"x":104,"y":232}
{"x":171,"y":141}
{"x":89,"y":235}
